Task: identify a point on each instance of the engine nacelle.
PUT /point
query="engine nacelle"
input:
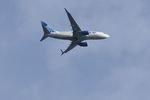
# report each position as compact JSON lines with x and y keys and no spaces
{"x":84,"y":32}
{"x":83,"y":44}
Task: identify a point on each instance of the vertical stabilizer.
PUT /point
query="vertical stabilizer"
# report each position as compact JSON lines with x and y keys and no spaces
{"x":46,"y":29}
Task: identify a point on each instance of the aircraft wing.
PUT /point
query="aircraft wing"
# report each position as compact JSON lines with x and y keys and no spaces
{"x":74,"y":25}
{"x":71,"y":46}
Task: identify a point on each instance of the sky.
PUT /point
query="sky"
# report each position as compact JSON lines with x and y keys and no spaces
{"x":117,"y":68}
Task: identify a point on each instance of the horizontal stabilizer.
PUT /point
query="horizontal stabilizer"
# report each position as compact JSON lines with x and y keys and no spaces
{"x":43,"y":38}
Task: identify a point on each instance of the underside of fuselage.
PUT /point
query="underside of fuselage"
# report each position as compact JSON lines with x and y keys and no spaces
{"x":62,"y":35}
{"x":69,"y":36}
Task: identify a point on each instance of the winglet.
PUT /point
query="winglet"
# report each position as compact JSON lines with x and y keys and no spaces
{"x":66,"y":11}
{"x":62,"y":52}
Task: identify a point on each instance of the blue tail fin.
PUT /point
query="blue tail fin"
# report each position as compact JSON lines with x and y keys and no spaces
{"x":46,"y":29}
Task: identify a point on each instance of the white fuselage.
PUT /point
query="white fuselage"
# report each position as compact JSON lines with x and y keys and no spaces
{"x":69,"y":35}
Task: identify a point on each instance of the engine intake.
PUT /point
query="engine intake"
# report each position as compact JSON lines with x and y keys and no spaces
{"x":83,"y":44}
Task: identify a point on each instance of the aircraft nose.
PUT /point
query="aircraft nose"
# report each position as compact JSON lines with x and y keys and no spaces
{"x":103,"y":35}
{"x":107,"y":36}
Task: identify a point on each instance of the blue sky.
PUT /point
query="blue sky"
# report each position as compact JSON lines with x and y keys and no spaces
{"x":112,"y":69}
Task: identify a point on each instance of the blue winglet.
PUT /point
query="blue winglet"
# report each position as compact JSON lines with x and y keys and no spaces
{"x":62,"y":52}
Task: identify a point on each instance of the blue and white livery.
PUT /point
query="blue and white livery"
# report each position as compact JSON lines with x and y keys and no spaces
{"x":76,"y":36}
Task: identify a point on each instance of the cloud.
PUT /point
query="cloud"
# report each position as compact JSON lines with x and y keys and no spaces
{"x":114,"y":69}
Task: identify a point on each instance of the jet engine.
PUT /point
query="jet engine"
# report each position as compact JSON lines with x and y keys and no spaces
{"x":84,"y":32}
{"x":83,"y":44}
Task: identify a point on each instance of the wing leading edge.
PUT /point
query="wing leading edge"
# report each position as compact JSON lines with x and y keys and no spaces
{"x":75,"y":27}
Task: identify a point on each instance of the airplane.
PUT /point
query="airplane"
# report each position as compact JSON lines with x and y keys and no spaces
{"x":76,"y":36}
